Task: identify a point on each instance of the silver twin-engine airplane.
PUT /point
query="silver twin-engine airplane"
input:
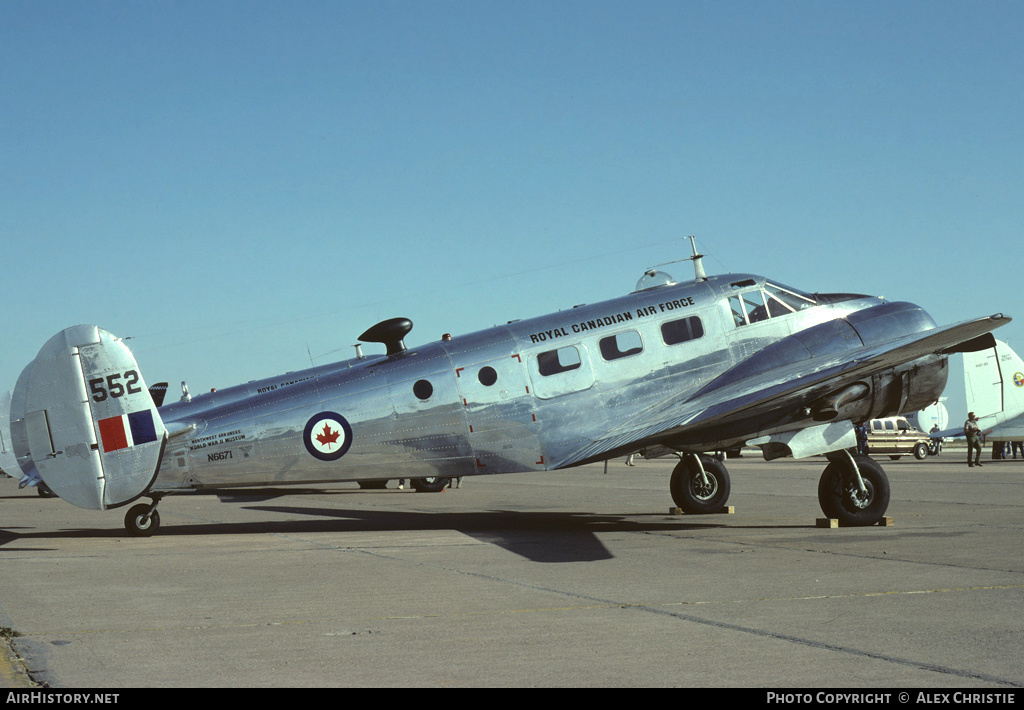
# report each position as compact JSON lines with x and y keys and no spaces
{"x":688,"y":368}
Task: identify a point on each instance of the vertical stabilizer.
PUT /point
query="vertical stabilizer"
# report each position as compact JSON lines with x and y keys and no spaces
{"x":983,"y":381}
{"x":994,"y":380}
{"x":87,"y":419}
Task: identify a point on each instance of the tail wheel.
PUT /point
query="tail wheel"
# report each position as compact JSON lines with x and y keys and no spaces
{"x":696,"y":493}
{"x":840,"y":496}
{"x":142,"y":520}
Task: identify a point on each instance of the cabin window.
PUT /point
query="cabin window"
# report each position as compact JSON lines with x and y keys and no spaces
{"x":682,"y":330}
{"x":571,"y":367}
{"x":423,"y":389}
{"x":553,"y":362}
{"x":621,"y":345}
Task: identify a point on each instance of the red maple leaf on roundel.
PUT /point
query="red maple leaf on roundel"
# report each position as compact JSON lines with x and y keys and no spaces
{"x":327,"y":437}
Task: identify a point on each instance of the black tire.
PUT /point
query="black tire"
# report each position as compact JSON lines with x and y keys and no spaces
{"x":372,"y":485}
{"x":839,"y":496}
{"x":430,"y":485}
{"x":141,"y":520}
{"x":921,"y":451}
{"x":691,"y":494}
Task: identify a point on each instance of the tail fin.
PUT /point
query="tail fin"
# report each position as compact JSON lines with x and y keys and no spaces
{"x":8,"y":462}
{"x":87,"y":421}
{"x":994,"y":381}
{"x":983,"y":382}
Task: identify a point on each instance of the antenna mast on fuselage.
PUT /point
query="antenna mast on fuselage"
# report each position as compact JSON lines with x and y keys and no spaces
{"x":698,"y":265}
{"x":654,"y":278}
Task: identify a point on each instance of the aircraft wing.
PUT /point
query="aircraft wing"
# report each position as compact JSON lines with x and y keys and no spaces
{"x":774,"y":396}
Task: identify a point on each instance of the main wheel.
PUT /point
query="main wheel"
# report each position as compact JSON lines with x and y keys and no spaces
{"x":430,"y":485}
{"x":142,"y":520}
{"x":840,"y":496}
{"x":693,"y":493}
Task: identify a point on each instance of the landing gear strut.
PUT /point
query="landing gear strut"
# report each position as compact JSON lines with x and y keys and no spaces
{"x":853,"y":489}
{"x":700,"y":484}
{"x":143,"y":520}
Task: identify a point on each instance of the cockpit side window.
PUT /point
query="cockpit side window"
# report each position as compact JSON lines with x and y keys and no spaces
{"x":748,"y":308}
{"x":754,"y":303}
{"x":791,"y":298}
{"x":736,"y":308}
{"x":773,"y":302}
{"x":777,"y":308}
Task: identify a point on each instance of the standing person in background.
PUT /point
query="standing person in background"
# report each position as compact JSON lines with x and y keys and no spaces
{"x":972,"y":430}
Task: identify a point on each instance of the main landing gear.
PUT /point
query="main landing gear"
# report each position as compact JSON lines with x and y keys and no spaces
{"x":700,"y":484}
{"x":434,"y":484}
{"x":853,"y":489}
{"x":422,"y":485}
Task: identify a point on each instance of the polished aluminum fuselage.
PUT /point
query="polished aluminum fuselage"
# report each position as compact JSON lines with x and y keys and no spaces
{"x":493,"y":403}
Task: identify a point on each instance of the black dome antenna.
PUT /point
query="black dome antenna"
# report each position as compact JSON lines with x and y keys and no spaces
{"x":390,"y":332}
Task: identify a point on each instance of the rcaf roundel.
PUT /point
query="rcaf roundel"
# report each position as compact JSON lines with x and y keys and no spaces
{"x":327,"y":436}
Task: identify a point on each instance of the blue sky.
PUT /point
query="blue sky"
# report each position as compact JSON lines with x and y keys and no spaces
{"x":242,"y":187}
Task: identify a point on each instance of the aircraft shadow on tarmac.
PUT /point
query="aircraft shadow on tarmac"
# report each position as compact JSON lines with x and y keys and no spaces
{"x":552,"y":537}
{"x":548,"y":537}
